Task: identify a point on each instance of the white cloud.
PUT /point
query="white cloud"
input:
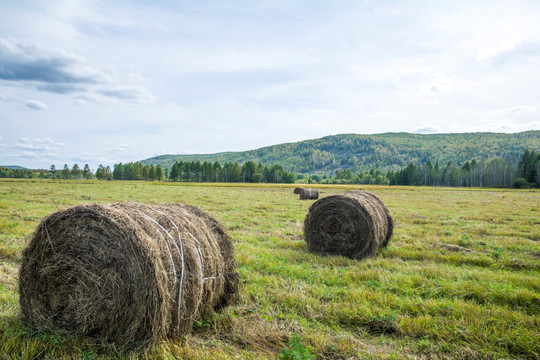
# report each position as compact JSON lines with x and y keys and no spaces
{"x":35,"y":105}
{"x":427,"y":130}
{"x":504,"y":125}
{"x":502,"y":34}
{"x":38,"y":144}
{"x":28,"y":64}
{"x":121,"y":148}
{"x":522,"y":108}
{"x":135,"y":94}
{"x":515,"y":111}
{"x":31,"y":104}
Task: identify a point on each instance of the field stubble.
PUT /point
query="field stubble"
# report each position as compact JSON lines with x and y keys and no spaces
{"x":460,"y":278}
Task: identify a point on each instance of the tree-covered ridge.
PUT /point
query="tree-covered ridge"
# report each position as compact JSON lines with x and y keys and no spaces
{"x":389,"y":151}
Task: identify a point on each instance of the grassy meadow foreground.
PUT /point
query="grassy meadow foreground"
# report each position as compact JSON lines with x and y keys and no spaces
{"x":459,"y":280}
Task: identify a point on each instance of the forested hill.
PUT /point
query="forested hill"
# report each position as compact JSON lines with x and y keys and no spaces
{"x":381,"y":151}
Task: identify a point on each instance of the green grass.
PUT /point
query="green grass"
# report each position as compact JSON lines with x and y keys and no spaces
{"x":418,"y":299}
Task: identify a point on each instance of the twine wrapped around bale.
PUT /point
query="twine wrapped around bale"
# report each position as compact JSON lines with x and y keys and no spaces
{"x":355,"y":224}
{"x":126,"y":273}
{"x":306,"y":193}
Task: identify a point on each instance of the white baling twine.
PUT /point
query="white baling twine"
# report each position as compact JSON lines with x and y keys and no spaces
{"x":172,"y":262}
{"x":199,"y":254}
{"x":203,"y":279}
{"x":181,"y":253}
{"x":209,"y":246}
{"x":165,"y":241}
{"x":201,"y":259}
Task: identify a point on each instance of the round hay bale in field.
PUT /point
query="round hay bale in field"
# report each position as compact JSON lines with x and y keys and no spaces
{"x":126,"y":273}
{"x":355,"y":224}
{"x":307,"y":193}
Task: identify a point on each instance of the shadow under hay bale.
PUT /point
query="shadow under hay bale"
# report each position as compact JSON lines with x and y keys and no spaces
{"x":306,"y":193}
{"x":126,"y":273}
{"x":355,"y":224}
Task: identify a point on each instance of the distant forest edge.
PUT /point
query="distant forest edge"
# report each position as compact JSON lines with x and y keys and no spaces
{"x":494,"y":173}
{"x":389,"y":151}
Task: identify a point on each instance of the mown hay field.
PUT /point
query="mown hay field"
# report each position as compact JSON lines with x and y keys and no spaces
{"x":459,"y":279}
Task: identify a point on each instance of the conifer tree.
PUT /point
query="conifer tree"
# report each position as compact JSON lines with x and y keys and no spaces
{"x":159,"y":173}
{"x":65,"y":172}
{"x":173,"y":176}
{"x":100,"y":172}
{"x":118,"y":171}
{"x":87,"y":173}
{"x":76,"y":171}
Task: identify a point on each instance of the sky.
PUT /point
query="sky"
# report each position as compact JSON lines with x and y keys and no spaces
{"x":103,"y":82}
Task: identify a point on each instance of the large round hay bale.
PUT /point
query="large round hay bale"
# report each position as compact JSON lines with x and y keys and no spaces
{"x":126,"y":273}
{"x":355,"y":224}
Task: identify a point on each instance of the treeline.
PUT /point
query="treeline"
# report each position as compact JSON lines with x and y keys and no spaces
{"x":21,"y":173}
{"x":137,"y":171}
{"x":195,"y":171}
{"x":494,"y":173}
{"x":67,"y":173}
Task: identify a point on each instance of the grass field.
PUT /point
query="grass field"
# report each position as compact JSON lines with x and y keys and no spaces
{"x":419,"y":299}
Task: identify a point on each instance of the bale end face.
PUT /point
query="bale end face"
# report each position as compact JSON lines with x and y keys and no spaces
{"x":354,"y":225}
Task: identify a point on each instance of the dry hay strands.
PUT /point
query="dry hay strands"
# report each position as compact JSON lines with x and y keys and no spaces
{"x":355,"y":224}
{"x":306,"y":193}
{"x":126,"y":273}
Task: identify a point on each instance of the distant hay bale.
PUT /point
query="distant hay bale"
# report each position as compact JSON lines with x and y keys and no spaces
{"x":355,"y":224}
{"x":306,"y":193}
{"x":126,"y":273}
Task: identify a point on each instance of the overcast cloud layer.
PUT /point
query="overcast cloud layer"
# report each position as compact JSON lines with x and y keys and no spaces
{"x":104,"y":82}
